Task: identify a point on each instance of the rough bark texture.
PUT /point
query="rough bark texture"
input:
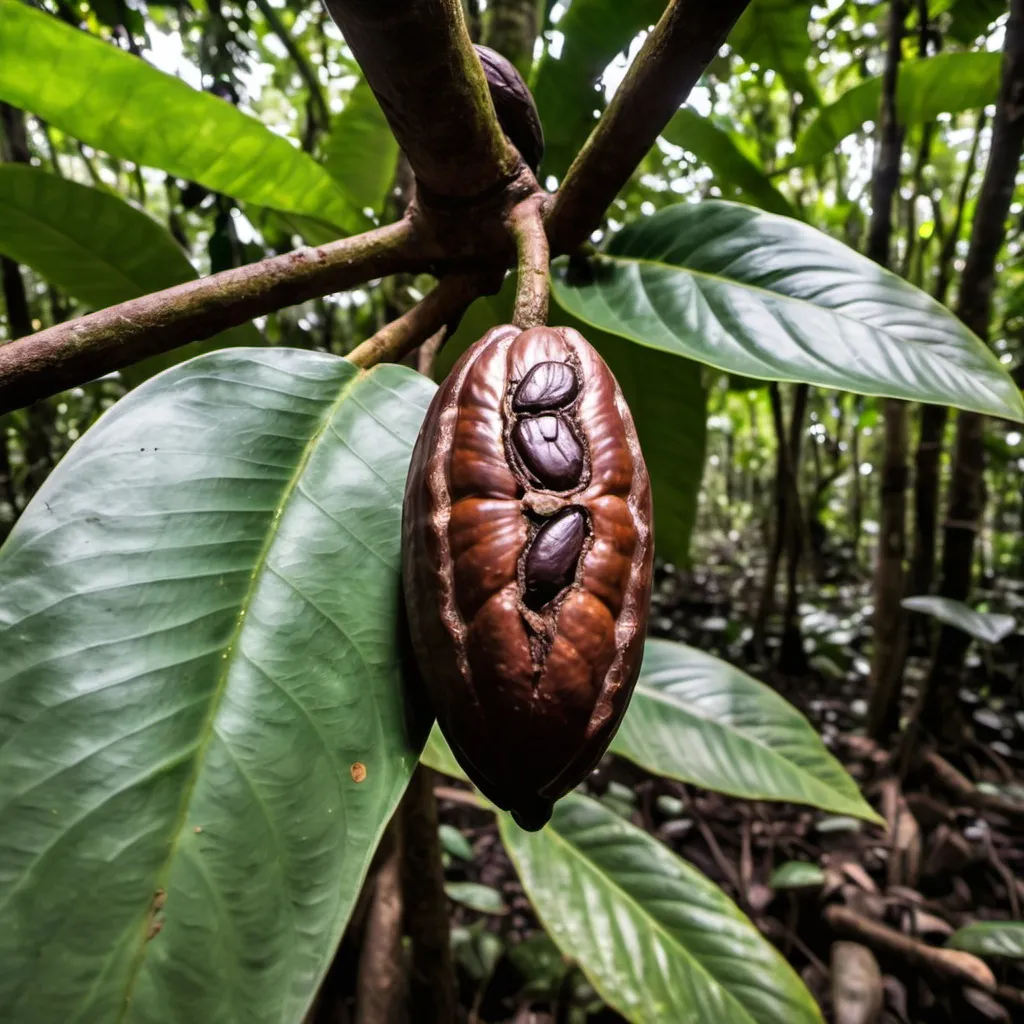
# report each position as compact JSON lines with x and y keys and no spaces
{"x":889,"y":583}
{"x":431,"y":979}
{"x":967,"y":495}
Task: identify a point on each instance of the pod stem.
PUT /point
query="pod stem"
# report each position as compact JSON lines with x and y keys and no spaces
{"x":532,"y":293}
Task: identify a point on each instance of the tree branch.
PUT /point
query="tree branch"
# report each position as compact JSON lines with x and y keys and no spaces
{"x":667,"y":67}
{"x":532,"y":292}
{"x":443,"y":305}
{"x":72,"y":353}
{"x":419,"y":61}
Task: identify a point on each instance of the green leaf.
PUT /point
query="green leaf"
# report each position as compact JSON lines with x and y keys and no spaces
{"x":972,"y":18}
{"x":665,"y":394}
{"x":700,"y":720}
{"x":946,"y":84}
{"x":438,"y":755}
{"x":360,"y":150}
{"x":796,"y":874}
{"x":197,"y":619}
{"x":481,"y":898}
{"x":118,"y":103}
{"x":990,"y":938}
{"x":566,"y":88}
{"x":735,"y":171}
{"x":988,"y":627}
{"x":766,"y":296}
{"x":773,"y":33}
{"x":454,"y":843}
{"x":97,"y":248}
{"x":659,"y":942}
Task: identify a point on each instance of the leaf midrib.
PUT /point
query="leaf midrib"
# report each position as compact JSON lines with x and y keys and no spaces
{"x":207,"y":733}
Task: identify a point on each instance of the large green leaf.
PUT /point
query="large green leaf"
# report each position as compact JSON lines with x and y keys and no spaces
{"x":202,"y":727}
{"x":700,"y":720}
{"x":765,"y":296}
{"x":658,"y":940}
{"x":97,"y":248}
{"x":946,"y":84}
{"x":735,"y":171}
{"x":988,"y":627}
{"x":991,"y":938}
{"x":120,"y":104}
{"x":566,"y":87}
{"x":666,"y":396}
{"x":773,"y":33}
{"x":360,"y":150}
{"x":972,"y":18}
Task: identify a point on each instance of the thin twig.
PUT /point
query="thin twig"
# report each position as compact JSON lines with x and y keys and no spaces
{"x":532,"y":291}
{"x":667,"y":67}
{"x":81,"y":350}
{"x":426,"y":318}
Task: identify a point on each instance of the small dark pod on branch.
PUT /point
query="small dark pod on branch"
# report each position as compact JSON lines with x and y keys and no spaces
{"x":526,"y":548}
{"x":513,"y":103}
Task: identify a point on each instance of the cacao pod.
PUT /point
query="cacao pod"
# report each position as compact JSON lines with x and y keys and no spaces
{"x":514,"y":105}
{"x":527,"y":549}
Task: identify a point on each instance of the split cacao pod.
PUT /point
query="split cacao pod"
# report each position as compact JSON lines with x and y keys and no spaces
{"x":527,"y":553}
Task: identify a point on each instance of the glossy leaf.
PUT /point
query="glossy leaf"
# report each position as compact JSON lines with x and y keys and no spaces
{"x":666,"y":396}
{"x":438,"y":755}
{"x":946,"y":84}
{"x":698,"y":719}
{"x":658,"y":941}
{"x":735,"y":171}
{"x":120,"y":104}
{"x":796,"y":874}
{"x":566,"y":87}
{"x":774,"y":34}
{"x":990,"y":938}
{"x":481,"y":898}
{"x":97,"y":248}
{"x":765,"y":296}
{"x":202,"y":725}
{"x":988,"y":627}
{"x":360,"y":150}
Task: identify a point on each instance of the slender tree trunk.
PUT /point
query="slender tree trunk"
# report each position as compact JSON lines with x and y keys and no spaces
{"x":431,"y":987}
{"x":857,"y":484}
{"x":928,"y":458}
{"x":792,"y":658}
{"x":940,"y":710}
{"x":889,"y":618}
{"x":511,"y":29}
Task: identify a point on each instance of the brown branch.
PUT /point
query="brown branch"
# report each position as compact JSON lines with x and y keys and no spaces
{"x":962,"y":789}
{"x":952,"y":963}
{"x":441,"y":306}
{"x":419,"y":61}
{"x":78,"y":351}
{"x":533,"y":290}
{"x":667,"y":67}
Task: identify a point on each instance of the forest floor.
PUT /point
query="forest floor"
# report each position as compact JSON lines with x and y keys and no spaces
{"x":941,"y":865}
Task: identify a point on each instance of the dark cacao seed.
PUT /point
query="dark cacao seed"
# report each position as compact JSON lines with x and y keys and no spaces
{"x":514,"y":105}
{"x":546,"y":387}
{"x":529,"y":639}
{"x":553,"y":555}
{"x":550,"y":451}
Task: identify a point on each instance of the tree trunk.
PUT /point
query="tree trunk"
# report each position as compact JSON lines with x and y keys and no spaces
{"x":889,"y":617}
{"x":928,"y":459}
{"x":511,"y":29}
{"x":940,"y":709}
{"x":792,"y":657}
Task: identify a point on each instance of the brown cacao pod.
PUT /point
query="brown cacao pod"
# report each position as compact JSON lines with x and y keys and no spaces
{"x":527,"y":548}
{"x":514,"y":105}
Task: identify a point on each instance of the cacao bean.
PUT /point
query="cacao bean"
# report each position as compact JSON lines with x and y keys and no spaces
{"x":546,"y":387}
{"x":514,"y":105}
{"x":528,"y":608}
{"x":550,"y":451}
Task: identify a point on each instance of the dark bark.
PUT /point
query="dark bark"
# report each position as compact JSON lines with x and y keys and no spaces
{"x":512,"y":27}
{"x":792,"y":657}
{"x":889,"y":619}
{"x":940,"y":708}
{"x":431,"y":983}
{"x":934,"y":417}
